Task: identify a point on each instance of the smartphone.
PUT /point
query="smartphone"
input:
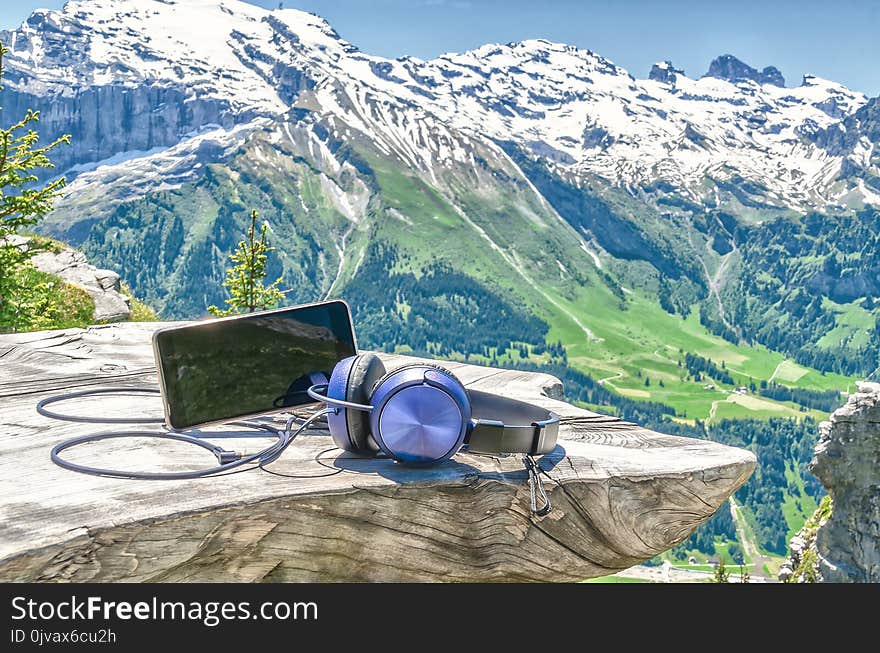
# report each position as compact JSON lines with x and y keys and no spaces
{"x":219,"y":370}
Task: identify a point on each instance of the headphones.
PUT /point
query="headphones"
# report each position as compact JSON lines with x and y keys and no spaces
{"x":421,"y":414}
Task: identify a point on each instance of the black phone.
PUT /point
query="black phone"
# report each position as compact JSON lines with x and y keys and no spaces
{"x":219,"y":370}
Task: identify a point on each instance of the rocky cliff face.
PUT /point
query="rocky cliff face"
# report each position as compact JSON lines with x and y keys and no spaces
{"x":847,"y":461}
{"x":124,"y":81}
{"x":108,"y":120}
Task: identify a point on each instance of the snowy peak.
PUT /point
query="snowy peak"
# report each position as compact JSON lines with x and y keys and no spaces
{"x":232,"y":54}
{"x":166,"y":80}
{"x":536,"y":51}
{"x":732,"y":69}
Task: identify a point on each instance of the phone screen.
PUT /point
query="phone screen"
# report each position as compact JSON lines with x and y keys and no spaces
{"x":251,"y":364}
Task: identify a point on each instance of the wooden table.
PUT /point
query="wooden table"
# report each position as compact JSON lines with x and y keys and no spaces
{"x":621,"y":493}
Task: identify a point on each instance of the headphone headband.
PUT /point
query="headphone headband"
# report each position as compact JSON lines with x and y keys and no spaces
{"x":504,"y":425}
{"x":318,"y":392}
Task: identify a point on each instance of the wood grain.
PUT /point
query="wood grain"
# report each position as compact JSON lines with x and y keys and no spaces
{"x":621,"y":493}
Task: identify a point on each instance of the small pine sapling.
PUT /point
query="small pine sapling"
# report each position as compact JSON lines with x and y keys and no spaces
{"x":245,"y":279}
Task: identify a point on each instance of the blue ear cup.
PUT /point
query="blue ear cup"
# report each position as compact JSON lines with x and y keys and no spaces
{"x":351,"y":381}
{"x":420,"y":414}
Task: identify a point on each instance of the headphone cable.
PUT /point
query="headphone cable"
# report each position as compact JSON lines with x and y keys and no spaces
{"x":228,"y":461}
{"x":42,"y":410}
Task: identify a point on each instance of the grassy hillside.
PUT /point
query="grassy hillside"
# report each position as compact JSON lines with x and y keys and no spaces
{"x":640,"y":354}
{"x":808,"y":287}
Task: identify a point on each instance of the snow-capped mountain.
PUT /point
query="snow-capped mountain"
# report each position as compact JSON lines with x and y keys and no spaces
{"x":134,"y":76}
{"x":530,"y":180}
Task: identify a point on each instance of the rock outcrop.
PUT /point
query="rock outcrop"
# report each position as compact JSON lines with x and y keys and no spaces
{"x":733,"y":70}
{"x":102,"y":285}
{"x":847,"y":461}
{"x":844,"y":137}
{"x":664,"y":71}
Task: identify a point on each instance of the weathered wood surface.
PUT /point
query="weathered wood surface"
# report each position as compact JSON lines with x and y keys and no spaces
{"x":621,"y":493}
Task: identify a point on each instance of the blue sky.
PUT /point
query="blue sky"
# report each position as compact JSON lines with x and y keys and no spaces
{"x":836,"y":39}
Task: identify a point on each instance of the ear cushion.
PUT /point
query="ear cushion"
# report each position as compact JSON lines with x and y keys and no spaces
{"x":366,"y":370}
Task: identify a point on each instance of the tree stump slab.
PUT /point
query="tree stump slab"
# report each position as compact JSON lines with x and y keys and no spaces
{"x":621,"y":494}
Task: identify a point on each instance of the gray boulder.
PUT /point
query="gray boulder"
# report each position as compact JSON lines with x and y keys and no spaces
{"x":102,"y":285}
